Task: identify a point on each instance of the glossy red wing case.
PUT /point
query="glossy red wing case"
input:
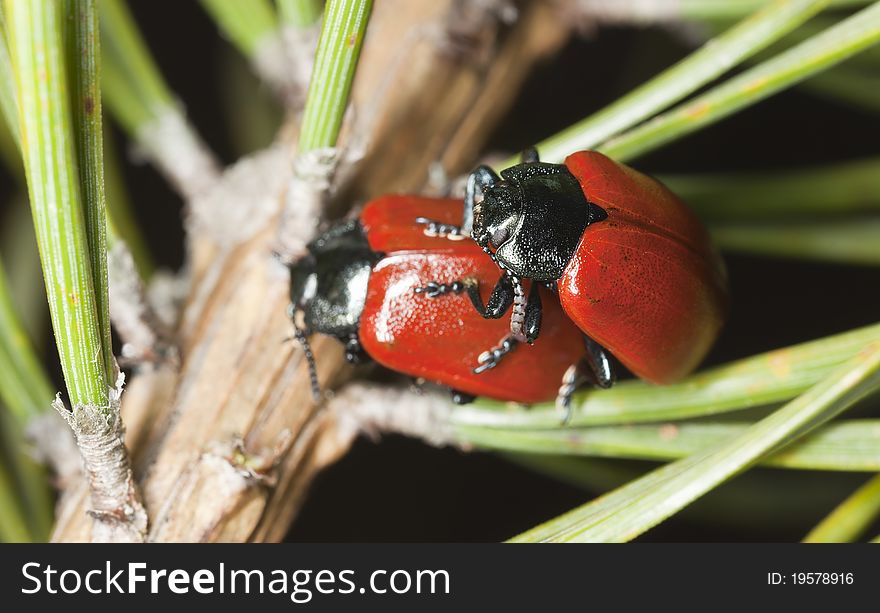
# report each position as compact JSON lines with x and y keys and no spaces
{"x":441,"y":338}
{"x":389,"y":222}
{"x":646,"y":283}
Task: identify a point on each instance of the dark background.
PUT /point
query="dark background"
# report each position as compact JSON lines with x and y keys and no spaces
{"x":401,"y":490}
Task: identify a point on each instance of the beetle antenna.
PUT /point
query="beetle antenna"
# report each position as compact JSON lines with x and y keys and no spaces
{"x":300,"y":335}
{"x":518,"y":314}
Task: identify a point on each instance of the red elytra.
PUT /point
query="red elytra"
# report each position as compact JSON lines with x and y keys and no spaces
{"x":441,"y":338}
{"x":389,"y":223}
{"x":645,"y":283}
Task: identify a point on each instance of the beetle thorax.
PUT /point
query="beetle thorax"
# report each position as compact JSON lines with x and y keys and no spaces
{"x":532,"y":220}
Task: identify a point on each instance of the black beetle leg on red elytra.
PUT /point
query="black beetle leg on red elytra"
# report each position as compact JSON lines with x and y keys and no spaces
{"x":499,"y":300}
{"x":525,"y":320}
{"x":441,"y":230}
{"x":433,"y":289}
{"x":534,"y":315}
{"x":491,"y":358}
{"x":479,"y":180}
{"x":595,"y":368}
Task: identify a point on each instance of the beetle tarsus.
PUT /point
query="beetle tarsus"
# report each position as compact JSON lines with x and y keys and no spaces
{"x":354,"y":352}
{"x":520,"y":307}
{"x":434,"y":228}
{"x":595,"y":368}
{"x":434,"y":289}
{"x":500,"y":299}
{"x":503,"y":295}
{"x":571,"y":380}
{"x":490,"y":359}
{"x":599,"y":364}
{"x":533,"y":315}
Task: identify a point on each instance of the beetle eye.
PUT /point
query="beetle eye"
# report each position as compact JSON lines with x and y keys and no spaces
{"x":499,"y":235}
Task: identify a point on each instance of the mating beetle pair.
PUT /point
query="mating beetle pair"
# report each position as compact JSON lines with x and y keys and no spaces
{"x":368,"y":282}
{"x":596,"y":260}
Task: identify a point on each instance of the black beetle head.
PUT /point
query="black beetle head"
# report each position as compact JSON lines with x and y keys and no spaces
{"x":498,"y":215}
{"x":534,"y":219}
{"x":328,"y":288}
{"x":303,"y":282}
{"x":329,"y":284}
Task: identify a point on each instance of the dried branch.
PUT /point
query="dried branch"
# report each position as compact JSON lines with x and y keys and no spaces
{"x":144,"y":335}
{"x":363,"y":408}
{"x":169,"y":141}
{"x":285,"y":62}
{"x":119,"y":516}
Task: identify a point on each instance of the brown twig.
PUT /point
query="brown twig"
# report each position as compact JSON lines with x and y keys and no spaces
{"x":145,"y":337}
{"x":116,"y":508}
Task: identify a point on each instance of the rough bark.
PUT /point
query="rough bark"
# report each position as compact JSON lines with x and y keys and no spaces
{"x":114,"y":502}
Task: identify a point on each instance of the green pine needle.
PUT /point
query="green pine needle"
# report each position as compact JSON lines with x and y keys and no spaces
{"x":24,"y":386}
{"x":83,"y":57}
{"x":849,"y":520}
{"x":13,"y":525}
{"x":133,"y":86}
{"x":771,"y":22}
{"x":844,"y":446}
{"x":339,"y":47}
{"x":300,"y":13}
{"x":759,"y":380}
{"x":850,"y":241}
{"x":247,"y":23}
{"x":834,"y":45}
{"x":834,"y":190}
{"x":7,"y":82}
{"x":636,"y":507}
{"x":49,"y":148}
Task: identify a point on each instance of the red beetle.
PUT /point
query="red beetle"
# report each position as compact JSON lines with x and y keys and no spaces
{"x":632,"y":266}
{"x":372,"y":283}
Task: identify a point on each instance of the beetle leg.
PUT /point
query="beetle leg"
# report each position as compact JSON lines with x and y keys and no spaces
{"x":354,"y":352}
{"x":595,"y":367}
{"x":433,"y":289}
{"x":599,"y":363}
{"x":499,"y":300}
{"x":571,"y":380}
{"x":301,"y":336}
{"x":529,"y":156}
{"x":437,"y":229}
{"x":490,"y":359}
{"x":532,"y":324}
{"x":520,"y":308}
{"x":479,"y":180}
